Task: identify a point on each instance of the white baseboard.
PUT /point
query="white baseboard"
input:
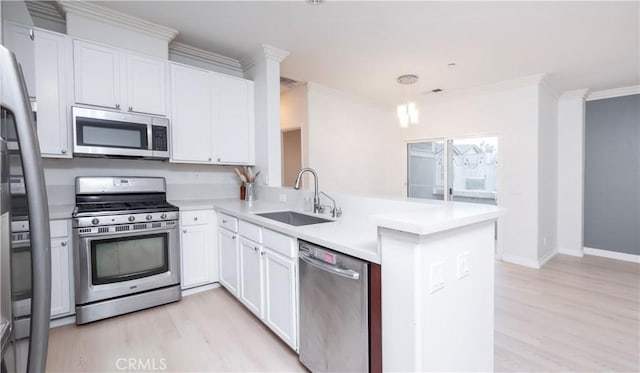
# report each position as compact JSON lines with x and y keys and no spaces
{"x":572,"y":252}
{"x":612,"y":254}
{"x":542,"y":261}
{"x":200,"y":289}
{"x":63,"y":321}
{"x":520,"y":260}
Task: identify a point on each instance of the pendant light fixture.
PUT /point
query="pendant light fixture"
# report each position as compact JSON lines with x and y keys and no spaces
{"x":408,"y":111}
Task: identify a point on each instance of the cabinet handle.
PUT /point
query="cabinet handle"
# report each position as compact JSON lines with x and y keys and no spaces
{"x":218,"y":159}
{"x":209,"y":159}
{"x":184,"y":231}
{"x":118,"y":106}
{"x":31,"y":34}
{"x":262,"y":252}
{"x":255,"y":248}
{"x":63,"y":151}
{"x":63,"y":243}
{"x":233,"y":237}
{"x":130,"y":108}
{"x":224,"y":221}
{"x":195,"y":218}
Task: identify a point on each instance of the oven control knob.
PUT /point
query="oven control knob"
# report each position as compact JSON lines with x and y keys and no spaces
{"x":163,"y":216}
{"x":95,"y":221}
{"x":149,"y":217}
{"x":132,"y":218}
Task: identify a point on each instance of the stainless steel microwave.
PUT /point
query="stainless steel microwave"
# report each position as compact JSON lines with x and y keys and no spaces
{"x":101,"y":133}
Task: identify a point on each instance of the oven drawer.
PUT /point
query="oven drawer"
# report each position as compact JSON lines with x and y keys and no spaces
{"x":250,"y":231}
{"x":59,"y":228}
{"x":228,"y":222}
{"x":198,"y":217}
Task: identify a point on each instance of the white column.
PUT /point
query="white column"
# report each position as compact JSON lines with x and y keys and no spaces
{"x":263,"y":67}
{"x":570,"y":210}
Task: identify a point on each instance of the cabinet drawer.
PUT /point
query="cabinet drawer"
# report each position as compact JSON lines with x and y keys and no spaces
{"x":198,"y":217}
{"x":250,"y":231}
{"x":59,"y":228}
{"x":228,"y":222}
{"x":280,"y":243}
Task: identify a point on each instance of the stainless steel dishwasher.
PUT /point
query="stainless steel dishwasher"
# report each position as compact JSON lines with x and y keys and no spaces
{"x":334,"y":311}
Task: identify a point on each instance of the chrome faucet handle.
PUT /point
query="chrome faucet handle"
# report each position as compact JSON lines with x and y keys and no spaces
{"x":337,"y":212}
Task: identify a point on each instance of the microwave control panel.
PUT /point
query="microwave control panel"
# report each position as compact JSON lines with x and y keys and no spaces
{"x":159,"y":141}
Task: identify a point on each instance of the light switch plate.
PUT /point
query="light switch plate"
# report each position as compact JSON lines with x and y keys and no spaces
{"x":463,"y":265}
{"x":437,"y":276}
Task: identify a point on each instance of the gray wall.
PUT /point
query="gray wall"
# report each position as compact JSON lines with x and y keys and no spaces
{"x":612,"y":174}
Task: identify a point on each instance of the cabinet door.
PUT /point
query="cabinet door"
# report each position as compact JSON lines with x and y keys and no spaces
{"x":191,"y":115}
{"x":194,"y":256}
{"x":228,"y":253}
{"x":51,"y":63}
{"x":280,"y":296}
{"x":19,"y":40}
{"x":96,"y":72}
{"x":60,"y":277}
{"x":251,"y":276}
{"x":145,"y":81}
{"x":234,"y":120}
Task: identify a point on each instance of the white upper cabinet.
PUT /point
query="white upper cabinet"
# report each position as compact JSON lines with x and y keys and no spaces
{"x":96,"y":71}
{"x":117,"y":79}
{"x":19,"y":39}
{"x":190,"y":115}
{"x":212,"y":116}
{"x":234,"y":120}
{"x":52,"y":69}
{"x":146,"y":90}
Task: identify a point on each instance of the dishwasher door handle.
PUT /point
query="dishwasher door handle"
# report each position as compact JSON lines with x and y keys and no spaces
{"x":346,"y":273}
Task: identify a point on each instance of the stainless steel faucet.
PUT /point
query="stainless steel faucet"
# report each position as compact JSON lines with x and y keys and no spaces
{"x":316,"y":195}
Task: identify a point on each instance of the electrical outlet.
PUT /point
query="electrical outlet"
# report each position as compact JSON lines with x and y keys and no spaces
{"x":283,"y":197}
{"x":437,"y":276}
{"x":463,"y":265}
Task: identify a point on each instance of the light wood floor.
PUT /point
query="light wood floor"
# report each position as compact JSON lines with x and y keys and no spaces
{"x":575,"y":314}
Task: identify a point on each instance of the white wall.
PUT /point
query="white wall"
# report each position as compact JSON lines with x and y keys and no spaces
{"x":570,"y":173}
{"x":509,"y":110}
{"x":547,"y":172}
{"x":183,"y":181}
{"x":354,"y":144}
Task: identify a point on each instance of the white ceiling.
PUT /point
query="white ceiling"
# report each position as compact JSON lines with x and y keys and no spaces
{"x":361,"y":47}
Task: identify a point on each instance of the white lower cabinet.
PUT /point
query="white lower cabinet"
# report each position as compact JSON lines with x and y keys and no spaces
{"x":61,"y":268}
{"x":280,"y":304}
{"x":259,"y":267}
{"x":251,"y":268}
{"x":198,"y":248}
{"x":229,"y":258}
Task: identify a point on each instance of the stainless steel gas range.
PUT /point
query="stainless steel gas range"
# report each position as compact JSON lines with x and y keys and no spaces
{"x":126,"y":246}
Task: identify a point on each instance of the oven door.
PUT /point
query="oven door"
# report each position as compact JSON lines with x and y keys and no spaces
{"x":116,"y":264}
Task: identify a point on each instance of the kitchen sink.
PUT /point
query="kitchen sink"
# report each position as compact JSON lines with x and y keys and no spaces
{"x":294,"y":218}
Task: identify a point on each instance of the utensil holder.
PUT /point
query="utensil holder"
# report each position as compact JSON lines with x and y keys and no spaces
{"x":251,"y":192}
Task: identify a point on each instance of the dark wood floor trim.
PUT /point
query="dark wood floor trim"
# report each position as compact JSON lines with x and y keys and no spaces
{"x":375,"y":318}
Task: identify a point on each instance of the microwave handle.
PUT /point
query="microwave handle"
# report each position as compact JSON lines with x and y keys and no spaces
{"x":14,"y":97}
{"x":150,"y":136}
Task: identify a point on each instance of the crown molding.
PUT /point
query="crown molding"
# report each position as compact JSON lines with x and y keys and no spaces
{"x":204,"y":56}
{"x":47,"y":10}
{"x":578,"y":93}
{"x":115,"y":18}
{"x":615,"y":92}
{"x":263,"y":52}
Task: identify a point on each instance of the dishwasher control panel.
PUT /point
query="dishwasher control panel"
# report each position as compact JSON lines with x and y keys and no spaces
{"x":320,"y":254}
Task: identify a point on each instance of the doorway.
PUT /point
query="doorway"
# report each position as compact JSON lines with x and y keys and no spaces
{"x":291,"y":155}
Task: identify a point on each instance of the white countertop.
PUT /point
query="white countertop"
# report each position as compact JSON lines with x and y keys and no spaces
{"x":355,"y":236}
{"x":349,"y":236}
{"x":437,"y":217}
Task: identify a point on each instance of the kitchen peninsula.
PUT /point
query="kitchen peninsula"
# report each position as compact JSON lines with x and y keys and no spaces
{"x":436,"y":262}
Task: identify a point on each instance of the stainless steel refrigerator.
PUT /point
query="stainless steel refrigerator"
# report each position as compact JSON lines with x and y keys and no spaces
{"x":25,"y":257}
